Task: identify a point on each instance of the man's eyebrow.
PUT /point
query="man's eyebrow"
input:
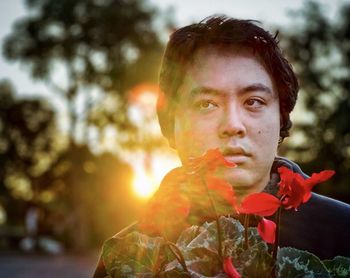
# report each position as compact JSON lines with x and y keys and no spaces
{"x":205,"y":91}
{"x":256,"y":87}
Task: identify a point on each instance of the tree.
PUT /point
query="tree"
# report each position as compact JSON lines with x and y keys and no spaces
{"x":98,"y":44}
{"x":92,"y":197}
{"x":85,"y":197}
{"x":320,"y":51}
{"x":103,"y":46}
{"x":28,"y":146}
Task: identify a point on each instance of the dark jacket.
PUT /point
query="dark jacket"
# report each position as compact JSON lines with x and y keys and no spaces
{"x":320,"y":226}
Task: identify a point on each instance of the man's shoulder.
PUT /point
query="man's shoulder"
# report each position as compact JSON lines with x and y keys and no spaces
{"x":320,"y":226}
{"x":329,"y":203}
{"x":328,"y":208}
{"x":323,"y":211}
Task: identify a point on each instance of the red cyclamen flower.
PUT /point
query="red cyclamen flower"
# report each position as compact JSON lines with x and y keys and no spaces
{"x":229,"y":269}
{"x":222,"y":188}
{"x":295,"y":190}
{"x":201,"y":174}
{"x":262,"y":204}
{"x":212,"y":159}
{"x":267,"y":230}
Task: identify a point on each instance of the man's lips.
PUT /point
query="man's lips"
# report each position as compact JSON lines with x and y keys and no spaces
{"x":232,"y":151}
{"x":237,"y":154}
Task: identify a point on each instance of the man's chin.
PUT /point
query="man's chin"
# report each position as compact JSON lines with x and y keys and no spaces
{"x":238,"y":178}
{"x":243,"y":181}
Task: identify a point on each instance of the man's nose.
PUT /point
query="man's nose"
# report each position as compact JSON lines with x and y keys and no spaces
{"x":232,"y":123}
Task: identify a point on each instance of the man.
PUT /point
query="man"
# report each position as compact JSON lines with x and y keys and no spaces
{"x":225,"y":84}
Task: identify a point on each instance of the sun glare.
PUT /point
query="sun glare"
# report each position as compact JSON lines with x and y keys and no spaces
{"x":145,"y":185}
{"x":149,"y":168}
{"x":146,"y":182}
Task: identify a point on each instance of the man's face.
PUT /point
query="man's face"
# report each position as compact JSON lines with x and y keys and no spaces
{"x":228,"y":101}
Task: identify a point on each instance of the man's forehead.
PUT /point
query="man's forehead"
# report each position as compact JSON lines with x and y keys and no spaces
{"x":202,"y":54}
{"x":204,"y":60}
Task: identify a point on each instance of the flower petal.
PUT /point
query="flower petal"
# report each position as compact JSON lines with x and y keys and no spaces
{"x":223,"y":188}
{"x":286,"y":175}
{"x":212,"y":159}
{"x":291,"y":188}
{"x":315,"y":179}
{"x":262,"y":204}
{"x":267,"y":230}
{"x":319,"y":177}
{"x":229,"y":269}
{"x":294,"y":198}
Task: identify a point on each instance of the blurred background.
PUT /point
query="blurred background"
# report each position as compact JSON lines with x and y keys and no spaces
{"x":80,"y":147}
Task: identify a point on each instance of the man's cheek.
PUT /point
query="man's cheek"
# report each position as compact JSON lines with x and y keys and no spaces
{"x":195,"y":142}
{"x":266,"y":141}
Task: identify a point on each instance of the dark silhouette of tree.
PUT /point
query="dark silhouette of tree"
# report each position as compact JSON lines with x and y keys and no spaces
{"x":108,"y":45}
{"x":100,"y":203}
{"x":103,"y":46}
{"x":84,"y":197}
{"x":28,"y":146}
{"x":320,"y":51}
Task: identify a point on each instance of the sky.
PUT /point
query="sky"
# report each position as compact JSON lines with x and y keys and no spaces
{"x":267,"y":11}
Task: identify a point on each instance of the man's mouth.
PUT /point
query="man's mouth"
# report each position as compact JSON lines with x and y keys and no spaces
{"x":236,"y":155}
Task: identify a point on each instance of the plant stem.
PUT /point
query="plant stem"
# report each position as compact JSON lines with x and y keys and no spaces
{"x":178,"y":255}
{"x":219,"y":238}
{"x":218,"y":226}
{"x":246,"y":224}
{"x":275,"y":247}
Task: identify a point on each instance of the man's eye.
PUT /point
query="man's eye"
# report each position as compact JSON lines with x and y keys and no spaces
{"x":205,"y":104}
{"x":254,"y":103}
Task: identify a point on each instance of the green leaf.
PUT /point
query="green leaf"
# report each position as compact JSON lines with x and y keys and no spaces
{"x":231,"y":228}
{"x":207,"y":238}
{"x":293,"y":263}
{"x":133,"y":253}
{"x":188,"y":235}
{"x":200,"y":248}
{"x":338,"y":267}
{"x":254,"y":261}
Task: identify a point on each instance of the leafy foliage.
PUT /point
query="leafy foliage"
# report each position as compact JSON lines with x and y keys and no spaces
{"x":79,"y":178}
{"x":28,"y":147}
{"x":80,"y":49}
{"x":338,"y":267}
{"x":296,"y":263}
{"x":96,"y":45}
{"x":135,"y":252}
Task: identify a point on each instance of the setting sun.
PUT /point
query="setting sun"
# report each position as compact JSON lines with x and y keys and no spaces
{"x":151,"y":165}
{"x":145,"y":185}
{"x":146,"y":181}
